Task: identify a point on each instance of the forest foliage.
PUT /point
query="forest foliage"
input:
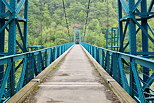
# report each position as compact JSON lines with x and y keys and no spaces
{"x":47,"y":24}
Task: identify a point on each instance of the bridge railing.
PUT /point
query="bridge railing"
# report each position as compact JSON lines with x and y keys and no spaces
{"x":126,"y":69}
{"x":19,"y":69}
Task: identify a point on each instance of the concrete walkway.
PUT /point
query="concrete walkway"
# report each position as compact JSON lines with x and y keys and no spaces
{"x":75,"y":81}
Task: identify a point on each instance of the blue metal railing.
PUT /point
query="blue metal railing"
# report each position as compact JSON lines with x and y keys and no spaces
{"x":19,"y":69}
{"x":127,"y":70}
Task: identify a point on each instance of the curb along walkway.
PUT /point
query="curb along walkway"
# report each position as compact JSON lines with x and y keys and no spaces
{"x":75,"y":81}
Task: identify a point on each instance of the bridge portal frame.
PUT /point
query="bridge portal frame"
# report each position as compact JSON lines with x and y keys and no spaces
{"x":133,"y":16}
{"x":77,"y":36}
{"x":112,"y":39}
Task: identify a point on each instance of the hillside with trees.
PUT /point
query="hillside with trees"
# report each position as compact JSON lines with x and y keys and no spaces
{"x":47,"y":24}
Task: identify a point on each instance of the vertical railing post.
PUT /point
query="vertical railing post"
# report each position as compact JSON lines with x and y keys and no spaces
{"x":115,"y":68}
{"x":11,"y":85}
{"x":45,"y":58}
{"x":103,"y":58}
{"x":107,"y":62}
{"x":98,"y":55}
{"x":52,"y":55}
{"x":48,"y":57}
{"x":28,"y":69}
{"x":39,"y":62}
{"x":93,"y":50}
{"x":54,"y":52}
{"x":32,"y":64}
{"x":59,"y":50}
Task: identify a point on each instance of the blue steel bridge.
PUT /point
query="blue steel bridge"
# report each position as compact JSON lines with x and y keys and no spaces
{"x":129,"y":74}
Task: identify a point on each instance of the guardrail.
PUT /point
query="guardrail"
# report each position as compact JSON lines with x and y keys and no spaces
{"x":127,"y":70}
{"x":18,"y":70}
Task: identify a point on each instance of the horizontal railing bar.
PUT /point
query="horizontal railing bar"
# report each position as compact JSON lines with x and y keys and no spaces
{"x":128,"y":56}
{"x":17,"y":70}
{"x":128,"y":70}
{"x":21,"y":56}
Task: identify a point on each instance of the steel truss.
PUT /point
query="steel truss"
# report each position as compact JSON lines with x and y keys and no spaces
{"x":13,"y":22}
{"x":133,"y":23}
{"x":112,"y":39}
{"x":30,"y":65}
{"x":115,"y":65}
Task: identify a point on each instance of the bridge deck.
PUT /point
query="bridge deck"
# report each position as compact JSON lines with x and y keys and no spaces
{"x":75,"y":81}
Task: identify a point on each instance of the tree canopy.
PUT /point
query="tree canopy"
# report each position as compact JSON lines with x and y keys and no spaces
{"x":47,"y":24}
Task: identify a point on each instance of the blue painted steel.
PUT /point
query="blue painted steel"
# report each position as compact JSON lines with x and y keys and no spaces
{"x":113,"y":39}
{"x":26,"y":66}
{"x":9,"y":16}
{"x":77,"y":36}
{"x":135,"y":19}
{"x":10,"y":22}
{"x":127,"y":70}
{"x":32,"y":48}
{"x":2,"y":35}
